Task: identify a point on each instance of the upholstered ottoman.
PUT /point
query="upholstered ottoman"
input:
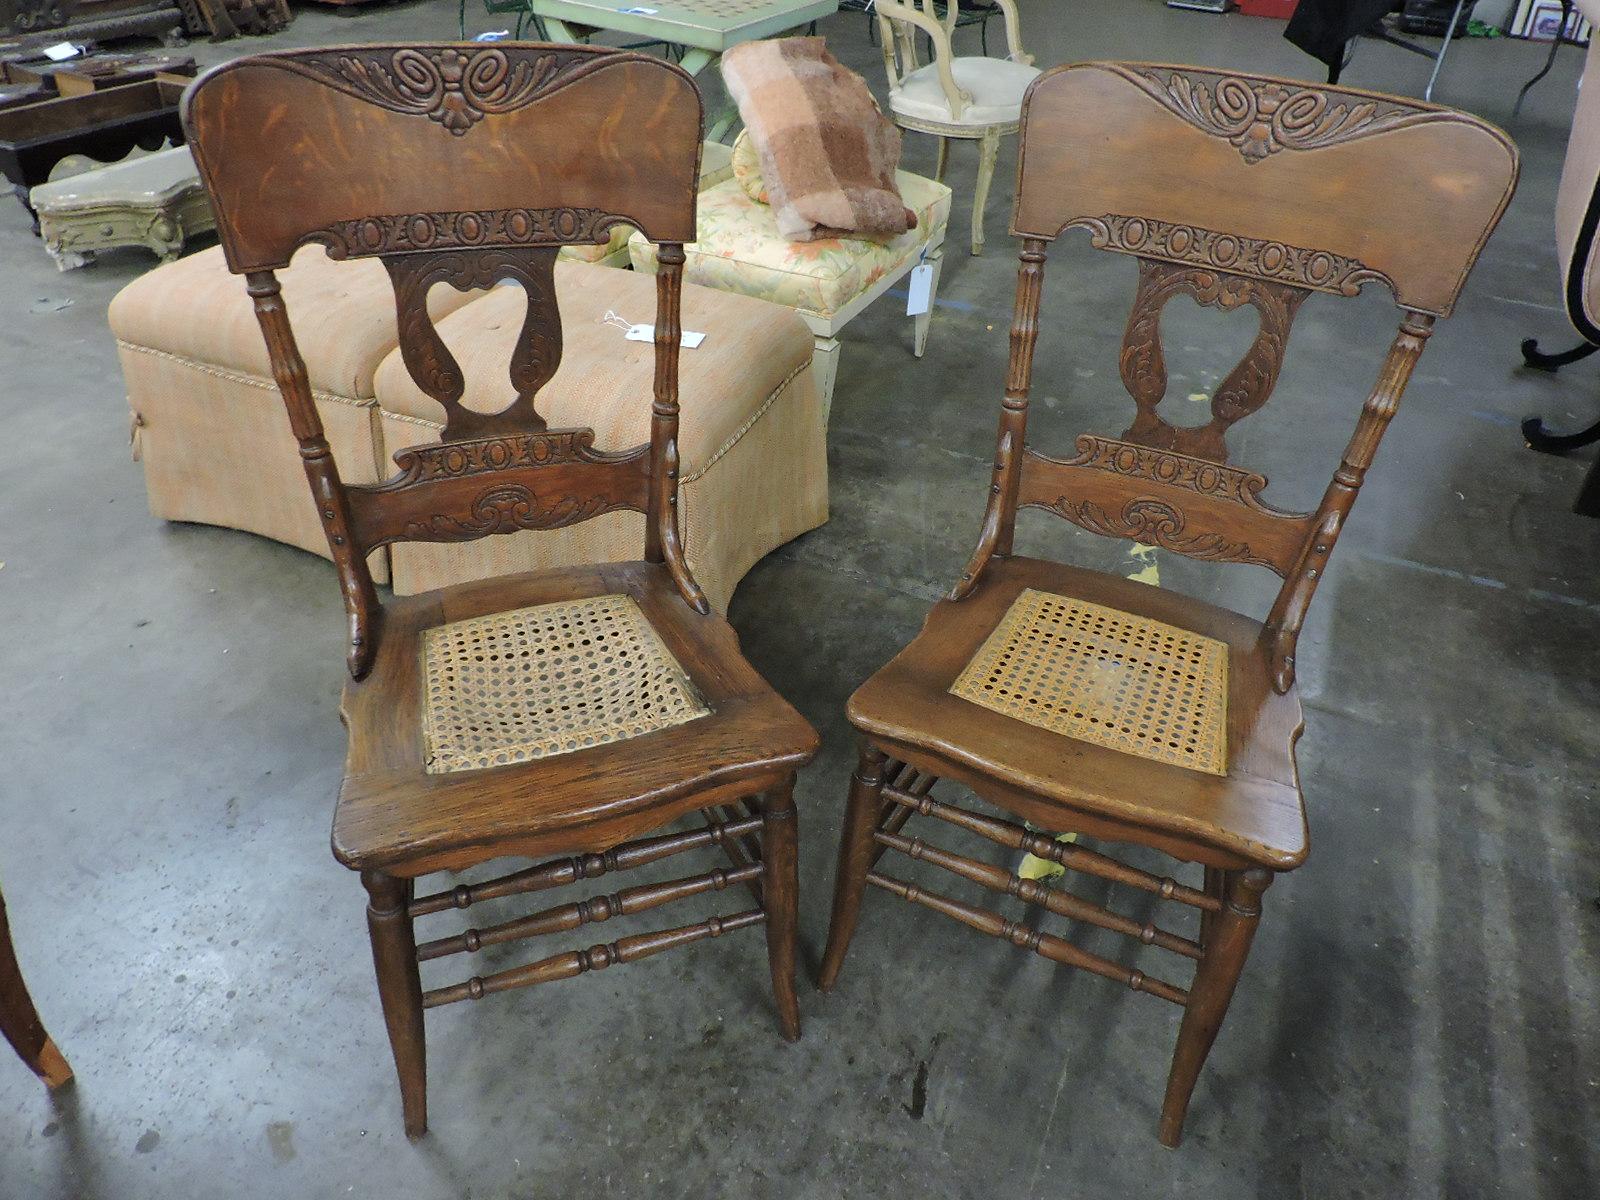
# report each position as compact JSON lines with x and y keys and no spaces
{"x":208,"y":421}
{"x":830,"y":281}
{"x":752,"y":447}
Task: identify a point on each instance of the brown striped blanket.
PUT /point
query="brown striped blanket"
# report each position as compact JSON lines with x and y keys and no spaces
{"x":827,"y":154}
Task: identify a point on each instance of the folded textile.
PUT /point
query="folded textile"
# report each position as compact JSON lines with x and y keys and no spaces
{"x":827,"y":154}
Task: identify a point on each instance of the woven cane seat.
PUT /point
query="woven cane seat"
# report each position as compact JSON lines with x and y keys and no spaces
{"x":561,"y":711}
{"x":1128,"y":706}
{"x":511,"y":687}
{"x":1103,"y":676}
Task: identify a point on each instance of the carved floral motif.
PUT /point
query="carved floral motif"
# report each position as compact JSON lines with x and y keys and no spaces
{"x":1198,"y":246}
{"x":453,"y":87}
{"x":1155,"y":523}
{"x":1262,"y":117}
{"x":507,"y":509}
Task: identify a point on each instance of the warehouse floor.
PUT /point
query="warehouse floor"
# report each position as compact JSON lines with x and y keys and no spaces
{"x":1419,"y":1015}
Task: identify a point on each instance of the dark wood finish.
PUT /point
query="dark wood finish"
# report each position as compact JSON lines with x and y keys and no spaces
{"x":1239,"y":192}
{"x":47,"y":21}
{"x":466,"y":166}
{"x":104,"y":125}
{"x":19,"y":1020}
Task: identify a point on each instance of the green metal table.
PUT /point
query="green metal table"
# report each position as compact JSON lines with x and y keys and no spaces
{"x":702,"y":29}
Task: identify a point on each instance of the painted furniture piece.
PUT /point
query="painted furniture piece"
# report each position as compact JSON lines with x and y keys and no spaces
{"x":208,"y":428}
{"x":828,"y":282}
{"x":155,"y":201}
{"x":1577,"y":220}
{"x":1075,"y":700}
{"x":954,"y":97}
{"x":104,"y":125}
{"x":558,"y":714}
{"x":19,"y":1020}
{"x":703,"y":29}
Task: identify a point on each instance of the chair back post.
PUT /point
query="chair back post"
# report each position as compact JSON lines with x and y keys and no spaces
{"x":1000,"y":516}
{"x":361,"y":604}
{"x":1282,"y":629}
{"x":898,"y":21}
{"x":662,"y":541}
{"x":469,"y":166}
{"x":1014,"y":33}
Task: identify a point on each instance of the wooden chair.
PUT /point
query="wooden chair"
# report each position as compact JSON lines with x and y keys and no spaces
{"x":563,"y":712}
{"x":1087,"y":702}
{"x":19,"y":1020}
{"x":955,"y":97}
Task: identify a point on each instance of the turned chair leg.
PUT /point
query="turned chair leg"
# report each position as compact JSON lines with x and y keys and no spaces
{"x":780,"y":892}
{"x":855,"y":859}
{"x":1230,"y":934}
{"x":988,"y":151}
{"x":394,"y":954}
{"x":943,"y":162}
{"x":920,"y":337}
{"x":19,"y":1020}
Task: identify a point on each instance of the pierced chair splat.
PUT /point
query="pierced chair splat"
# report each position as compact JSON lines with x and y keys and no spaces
{"x":1074,"y":700}
{"x":561,"y":714}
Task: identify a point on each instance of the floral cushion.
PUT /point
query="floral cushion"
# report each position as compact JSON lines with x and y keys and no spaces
{"x":716,"y":165}
{"x":740,"y":250}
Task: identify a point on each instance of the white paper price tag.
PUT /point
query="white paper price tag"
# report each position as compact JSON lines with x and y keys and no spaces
{"x":647,"y":333}
{"x":62,"y":51}
{"x":919,"y":295}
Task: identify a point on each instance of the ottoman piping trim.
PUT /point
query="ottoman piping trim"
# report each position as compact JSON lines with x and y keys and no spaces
{"x":255,"y":381}
{"x":734,"y":440}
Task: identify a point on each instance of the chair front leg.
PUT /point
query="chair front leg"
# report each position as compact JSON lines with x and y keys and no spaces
{"x":855,"y":859}
{"x":19,"y":1021}
{"x":988,"y":151}
{"x":780,"y":890}
{"x":394,"y":955}
{"x":1227,"y":946}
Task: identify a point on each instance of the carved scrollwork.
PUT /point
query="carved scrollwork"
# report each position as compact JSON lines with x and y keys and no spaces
{"x":1247,"y":386}
{"x":403,"y":233}
{"x":534,"y":357}
{"x":456,"y":88}
{"x":1198,"y":246}
{"x":1156,"y":523}
{"x":1261,"y":117}
{"x":507,"y":509}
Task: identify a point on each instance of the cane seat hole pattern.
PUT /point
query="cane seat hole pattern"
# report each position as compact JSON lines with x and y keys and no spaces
{"x":1105,"y":677}
{"x":535,"y":682}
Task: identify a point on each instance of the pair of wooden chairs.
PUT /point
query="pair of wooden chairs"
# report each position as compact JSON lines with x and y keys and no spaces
{"x":571,"y":713}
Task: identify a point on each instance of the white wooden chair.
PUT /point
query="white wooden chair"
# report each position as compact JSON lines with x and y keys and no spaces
{"x":962,"y":97}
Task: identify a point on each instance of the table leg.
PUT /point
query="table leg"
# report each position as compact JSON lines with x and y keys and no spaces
{"x":560,"y":31}
{"x":1438,"y":63}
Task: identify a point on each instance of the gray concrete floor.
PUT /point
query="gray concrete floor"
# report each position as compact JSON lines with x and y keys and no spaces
{"x":1419,"y":1015}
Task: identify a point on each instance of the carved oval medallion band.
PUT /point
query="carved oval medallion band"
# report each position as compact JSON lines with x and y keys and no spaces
{"x":1298,"y":266}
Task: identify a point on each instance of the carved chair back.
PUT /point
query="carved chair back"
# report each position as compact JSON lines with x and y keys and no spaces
{"x":466,"y":165}
{"x":1235,"y":190}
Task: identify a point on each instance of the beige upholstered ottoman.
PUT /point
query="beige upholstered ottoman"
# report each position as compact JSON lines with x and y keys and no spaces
{"x":208,"y":421}
{"x":752,"y":443}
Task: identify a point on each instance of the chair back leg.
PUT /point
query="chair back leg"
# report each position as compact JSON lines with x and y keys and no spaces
{"x":988,"y":151}
{"x":19,"y":1020}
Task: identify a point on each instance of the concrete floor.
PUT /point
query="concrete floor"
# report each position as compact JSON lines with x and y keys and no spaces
{"x":1419,"y":1015}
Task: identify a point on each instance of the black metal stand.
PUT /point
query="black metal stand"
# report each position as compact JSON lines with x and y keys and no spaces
{"x":1550,"y":61}
{"x":1533,"y":357}
{"x":1545,"y":441}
